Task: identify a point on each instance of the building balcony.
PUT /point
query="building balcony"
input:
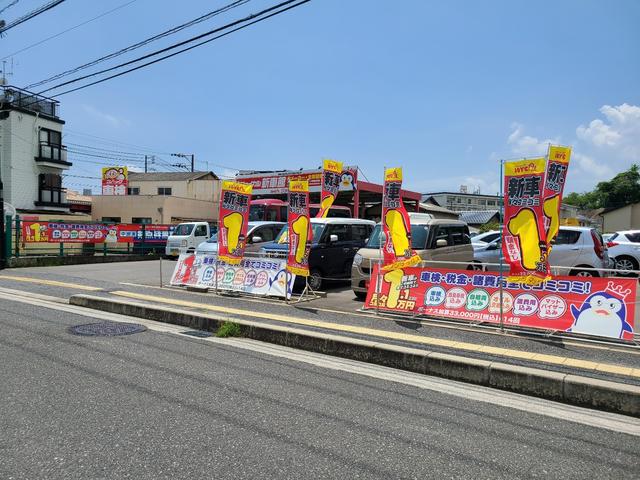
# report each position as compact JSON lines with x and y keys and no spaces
{"x":14,"y":98}
{"x":52,"y":197}
{"x":52,"y":156}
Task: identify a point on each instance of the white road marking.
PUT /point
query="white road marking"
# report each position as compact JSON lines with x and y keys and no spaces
{"x":548,"y":408}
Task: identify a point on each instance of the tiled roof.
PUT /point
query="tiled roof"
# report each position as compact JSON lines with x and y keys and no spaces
{"x":169,"y":176}
{"x":475,"y":217}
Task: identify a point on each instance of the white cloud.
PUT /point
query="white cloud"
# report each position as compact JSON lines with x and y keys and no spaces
{"x":526,"y":145}
{"x":618,"y":137}
{"x":107,"y":118}
{"x":598,"y":133}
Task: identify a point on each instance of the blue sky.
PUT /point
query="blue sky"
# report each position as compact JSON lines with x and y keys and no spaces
{"x":442,"y":88}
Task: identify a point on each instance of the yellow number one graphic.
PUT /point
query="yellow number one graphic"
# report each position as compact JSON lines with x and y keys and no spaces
{"x":326,"y":205}
{"x":233,"y":224}
{"x":398,"y":231}
{"x":393,"y":278}
{"x":301,"y":228}
{"x":551,"y":211}
{"x":525,"y":227}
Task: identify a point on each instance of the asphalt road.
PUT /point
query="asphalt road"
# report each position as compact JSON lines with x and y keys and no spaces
{"x":159,"y":404}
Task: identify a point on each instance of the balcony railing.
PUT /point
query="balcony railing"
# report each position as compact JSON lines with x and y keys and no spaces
{"x":13,"y":97}
{"x":52,"y":197}
{"x":52,"y":153}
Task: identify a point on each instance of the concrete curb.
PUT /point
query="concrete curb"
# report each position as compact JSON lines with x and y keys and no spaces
{"x":572,"y":389}
{"x":53,"y":261}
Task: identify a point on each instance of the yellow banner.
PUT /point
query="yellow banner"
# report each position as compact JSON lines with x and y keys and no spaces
{"x":532,"y":166}
{"x":332,"y":166}
{"x":559,"y":154}
{"x":245,"y":188}
{"x":393,"y":174}
{"x":298,"y":186}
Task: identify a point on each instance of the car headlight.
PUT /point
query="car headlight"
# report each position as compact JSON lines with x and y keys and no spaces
{"x":357,"y":260}
{"x":183,"y":243}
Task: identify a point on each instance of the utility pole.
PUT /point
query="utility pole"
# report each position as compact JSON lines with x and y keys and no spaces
{"x":145,"y":164}
{"x":3,"y":258}
{"x":184,"y":155}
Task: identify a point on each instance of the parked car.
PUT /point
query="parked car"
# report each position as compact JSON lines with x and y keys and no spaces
{"x":187,"y":236}
{"x":258,"y":234}
{"x":335,"y":243}
{"x":576,"y":249}
{"x":624,"y":250}
{"x":481,"y":239}
{"x":438,"y":240}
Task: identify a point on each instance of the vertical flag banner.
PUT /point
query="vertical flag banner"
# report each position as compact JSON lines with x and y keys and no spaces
{"x":299,"y":228}
{"x":524,"y":236}
{"x":557,"y":167}
{"x":396,"y":250}
{"x":115,"y":180}
{"x":331,"y":176}
{"x":234,"y":218}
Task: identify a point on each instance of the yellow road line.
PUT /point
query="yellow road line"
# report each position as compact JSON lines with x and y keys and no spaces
{"x":503,"y":352}
{"x":52,"y":283}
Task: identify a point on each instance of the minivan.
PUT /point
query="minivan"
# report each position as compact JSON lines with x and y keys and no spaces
{"x":185,"y":237}
{"x":335,"y":243}
{"x":439,"y":240}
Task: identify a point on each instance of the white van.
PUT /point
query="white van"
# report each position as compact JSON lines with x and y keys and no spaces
{"x":187,"y":236}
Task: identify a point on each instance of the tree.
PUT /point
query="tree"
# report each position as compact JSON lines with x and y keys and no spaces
{"x":488,"y":227}
{"x":621,"y":190}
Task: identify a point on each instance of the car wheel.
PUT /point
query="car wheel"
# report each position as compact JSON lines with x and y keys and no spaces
{"x":360,"y":295}
{"x":315,"y":279}
{"x":583,"y":273}
{"x":624,"y":263}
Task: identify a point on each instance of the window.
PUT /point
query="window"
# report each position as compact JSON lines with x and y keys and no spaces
{"x":490,"y":237}
{"x":141,"y":220}
{"x":342,"y":231}
{"x":441,"y":234}
{"x":567,"y":237}
{"x":201,"y":231}
{"x":633,"y":237}
{"x":111,"y":219}
{"x":50,"y":137}
{"x":164,"y":190}
{"x":265,"y":233}
{"x":457,"y":234}
{"x":50,"y":188}
{"x":133,"y":191}
{"x":360,"y":232}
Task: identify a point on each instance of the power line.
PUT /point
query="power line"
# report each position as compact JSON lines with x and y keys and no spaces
{"x":31,"y":14}
{"x":246,"y":19}
{"x":110,"y":141}
{"x":142,"y":43}
{"x":64,"y":31}
{"x":9,"y":6}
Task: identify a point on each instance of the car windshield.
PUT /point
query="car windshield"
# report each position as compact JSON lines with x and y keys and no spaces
{"x":419,"y":234}
{"x":184,"y":229}
{"x":256,"y":213}
{"x":316,"y":228}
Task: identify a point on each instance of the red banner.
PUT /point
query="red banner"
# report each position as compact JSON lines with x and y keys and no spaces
{"x":591,"y":306}
{"x":524,"y":234}
{"x":53,"y":232}
{"x":556,"y":174}
{"x":300,"y":234}
{"x":396,"y":250}
{"x":331,"y":175}
{"x":234,"y":218}
{"x":271,"y":184}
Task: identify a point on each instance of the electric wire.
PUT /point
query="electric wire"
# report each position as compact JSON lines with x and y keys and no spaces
{"x":30,"y":15}
{"x":9,"y":6}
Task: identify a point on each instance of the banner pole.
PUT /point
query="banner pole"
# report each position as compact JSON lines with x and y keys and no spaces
{"x":286,"y":263}
{"x":378,"y":279}
{"x":160,"y":271}
{"x":501,"y":243}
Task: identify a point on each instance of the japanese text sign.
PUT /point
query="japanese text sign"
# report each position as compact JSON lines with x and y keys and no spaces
{"x":234,"y":217}
{"x":557,"y":166}
{"x":115,"y":180}
{"x":396,"y":249}
{"x":299,"y":228}
{"x":331,"y":176}
{"x":524,"y":235}
{"x":589,"y":306}
{"x":53,"y":232}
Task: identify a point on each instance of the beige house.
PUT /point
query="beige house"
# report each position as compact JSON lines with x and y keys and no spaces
{"x":163,"y":197}
{"x":623,"y":218}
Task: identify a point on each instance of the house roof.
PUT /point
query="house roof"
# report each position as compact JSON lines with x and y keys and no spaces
{"x":430,"y":207}
{"x":171,"y":176}
{"x":474,"y":217}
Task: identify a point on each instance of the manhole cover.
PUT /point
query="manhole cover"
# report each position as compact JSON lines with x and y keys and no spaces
{"x":106,"y":329}
{"x":197,"y":333}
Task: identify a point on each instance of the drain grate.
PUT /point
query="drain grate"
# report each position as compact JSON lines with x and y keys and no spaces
{"x":107,"y":329}
{"x":197,"y":333}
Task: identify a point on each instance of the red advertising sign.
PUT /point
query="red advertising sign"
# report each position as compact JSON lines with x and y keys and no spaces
{"x":52,"y":232}
{"x":524,"y":235}
{"x":556,"y":174}
{"x":592,"y":306}
{"x":234,"y":218}
{"x":300,"y":234}
{"x":396,"y":250}
{"x":115,"y":180}
{"x":272,"y":184}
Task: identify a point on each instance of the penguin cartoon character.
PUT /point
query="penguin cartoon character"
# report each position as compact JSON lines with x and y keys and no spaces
{"x":112,"y":236}
{"x":603,"y":314}
{"x":346,"y":181}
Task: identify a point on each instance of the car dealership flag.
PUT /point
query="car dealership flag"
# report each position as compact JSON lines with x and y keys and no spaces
{"x":396,"y":250}
{"x":524,"y":235}
{"x":299,"y":228}
{"x":331,"y":176}
{"x":557,"y":167}
{"x":234,"y":218}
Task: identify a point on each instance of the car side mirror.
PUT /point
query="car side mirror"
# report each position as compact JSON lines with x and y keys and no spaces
{"x":333,"y":238}
{"x":441,"y":242}
{"x":256,"y":239}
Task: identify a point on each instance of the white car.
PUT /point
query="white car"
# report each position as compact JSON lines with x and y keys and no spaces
{"x":481,"y":240}
{"x":577,"y":251}
{"x":258,"y":234}
{"x":624,"y":249}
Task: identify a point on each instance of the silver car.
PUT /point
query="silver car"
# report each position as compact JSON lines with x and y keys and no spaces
{"x":258,"y":234}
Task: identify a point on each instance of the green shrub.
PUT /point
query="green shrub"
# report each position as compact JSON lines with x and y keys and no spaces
{"x":229,"y":329}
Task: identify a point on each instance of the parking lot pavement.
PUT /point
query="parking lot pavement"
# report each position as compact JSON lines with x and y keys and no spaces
{"x":337,"y":313}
